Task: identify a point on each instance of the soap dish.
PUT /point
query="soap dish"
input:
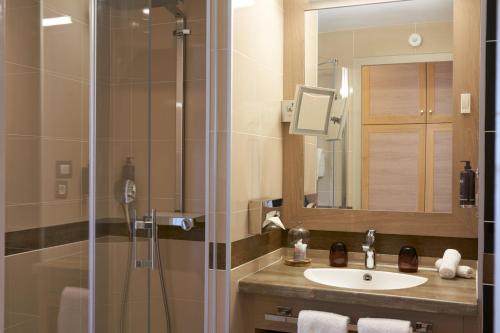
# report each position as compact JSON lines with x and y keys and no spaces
{"x":298,"y":263}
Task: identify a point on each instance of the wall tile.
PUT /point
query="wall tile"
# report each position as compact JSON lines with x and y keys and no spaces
{"x":491,"y":20}
{"x":489,"y":174}
{"x":488,"y":295}
{"x":489,"y":237}
{"x":490,"y":82}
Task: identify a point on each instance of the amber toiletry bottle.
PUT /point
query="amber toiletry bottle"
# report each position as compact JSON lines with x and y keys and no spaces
{"x":408,"y":260}
{"x":338,"y":255}
{"x":467,"y":186}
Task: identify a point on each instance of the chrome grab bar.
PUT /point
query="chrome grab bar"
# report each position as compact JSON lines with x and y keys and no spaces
{"x":284,"y":315}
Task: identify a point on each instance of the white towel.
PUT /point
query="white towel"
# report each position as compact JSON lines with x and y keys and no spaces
{"x":448,"y":268}
{"x":321,"y":322}
{"x":380,"y":325}
{"x":466,"y":272}
{"x":73,"y":311}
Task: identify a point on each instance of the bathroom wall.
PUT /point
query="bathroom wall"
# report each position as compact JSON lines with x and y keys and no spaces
{"x":129,"y":101}
{"x":46,"y":103}
{"x":183,"y":260}
{"x":257,"y":90}
{"x":488,"y":214}
{"x":46,"y":93}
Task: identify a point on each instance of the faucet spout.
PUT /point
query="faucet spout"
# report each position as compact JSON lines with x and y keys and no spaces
{"x":369,"y":249}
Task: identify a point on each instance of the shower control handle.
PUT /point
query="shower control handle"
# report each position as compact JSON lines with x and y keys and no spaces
{"x":149,"y":225}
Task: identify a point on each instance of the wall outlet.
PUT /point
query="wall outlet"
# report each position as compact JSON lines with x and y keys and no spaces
{"x":61,"y":189}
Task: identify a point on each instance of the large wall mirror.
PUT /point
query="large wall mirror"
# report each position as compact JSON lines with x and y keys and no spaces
{"x":390,"y":140}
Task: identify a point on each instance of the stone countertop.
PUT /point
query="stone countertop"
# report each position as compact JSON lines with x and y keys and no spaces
{"x":457,"y":296}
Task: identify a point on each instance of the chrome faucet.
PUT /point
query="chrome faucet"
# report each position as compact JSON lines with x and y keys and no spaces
{"x":369,"y":249}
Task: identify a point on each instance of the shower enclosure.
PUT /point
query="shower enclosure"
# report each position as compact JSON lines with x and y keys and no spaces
{"x":105,"y":121}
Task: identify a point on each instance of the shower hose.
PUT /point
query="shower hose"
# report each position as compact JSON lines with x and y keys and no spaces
{"x":126,"y":283}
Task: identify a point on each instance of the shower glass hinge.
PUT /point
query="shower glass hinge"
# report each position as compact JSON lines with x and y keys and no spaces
{"x":149,"y":229}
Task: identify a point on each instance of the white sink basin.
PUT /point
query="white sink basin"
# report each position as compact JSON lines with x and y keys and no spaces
{"x":356,"y":279}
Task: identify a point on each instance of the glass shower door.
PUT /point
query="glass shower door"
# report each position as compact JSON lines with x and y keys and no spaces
{"x":123,"y":278}
{"x":149,"y":253}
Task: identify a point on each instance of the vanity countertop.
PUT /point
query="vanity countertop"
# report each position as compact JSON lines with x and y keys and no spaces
{"x":457,"y":296}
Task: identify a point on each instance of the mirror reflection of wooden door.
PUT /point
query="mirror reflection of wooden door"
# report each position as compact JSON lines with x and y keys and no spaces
{"x":440,"y":92}
{"x":394,"y":93}
{"x":394,"y":167}
{"x":439,"y":168}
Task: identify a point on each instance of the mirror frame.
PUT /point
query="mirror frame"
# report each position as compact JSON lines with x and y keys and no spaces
{"x":466,"y":78}
{"x":294,"y":125}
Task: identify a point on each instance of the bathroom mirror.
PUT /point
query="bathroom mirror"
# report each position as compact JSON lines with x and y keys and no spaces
{"x":311,"y":115}
{"x":389,"y":141}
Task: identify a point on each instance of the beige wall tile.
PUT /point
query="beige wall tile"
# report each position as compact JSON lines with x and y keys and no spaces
{"x":23,"y":170}
{"x":22,"y":29}
{"x":62,"y":47}
{"x":23,"y":114}
{"x":195,"y":110}
{"x":21,"y":217}
{"x":62,"y":107}
{"x":163,"y":169}
{"x":163,"y":111}
{"x":77,"y":9}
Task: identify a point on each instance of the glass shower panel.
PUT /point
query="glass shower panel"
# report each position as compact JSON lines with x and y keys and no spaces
{"x":46,"y":104}
{"x":139,"y":98}
{"x":123,"y":291}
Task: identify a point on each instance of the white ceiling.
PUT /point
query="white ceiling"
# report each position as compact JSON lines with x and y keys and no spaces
{"x":384,"y":14}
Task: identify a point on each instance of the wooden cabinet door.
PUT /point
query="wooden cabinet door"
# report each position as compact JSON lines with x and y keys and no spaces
{"x":393,"y":177}
{"x":394,"y":94}
{"x":439,"y":168}
{"x":440,"y":92}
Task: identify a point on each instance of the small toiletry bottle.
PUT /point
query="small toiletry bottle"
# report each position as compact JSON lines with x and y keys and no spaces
{"x":467,"y":186}
{"x":408,"y":260}
{"x":338,"y":255}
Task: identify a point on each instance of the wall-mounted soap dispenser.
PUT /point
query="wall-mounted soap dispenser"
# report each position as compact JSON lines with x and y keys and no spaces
{"x":467,"y":186}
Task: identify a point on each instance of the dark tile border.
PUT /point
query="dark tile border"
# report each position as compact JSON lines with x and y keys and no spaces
{"x":44,"y":237}
{"x":427,"y":246}
{"x":489,"y":268}
{"x":490,"y":87}
{"x":489,"y":176}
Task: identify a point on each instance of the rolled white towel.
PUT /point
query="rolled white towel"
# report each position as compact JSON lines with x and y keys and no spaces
{"x":321,"y":322}
{"x":380,"y":325}
{"x":463,"y":271}
{"x":448,"y":268}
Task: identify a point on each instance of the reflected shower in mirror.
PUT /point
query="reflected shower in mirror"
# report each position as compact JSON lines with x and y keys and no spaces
{"x":388,"y":145}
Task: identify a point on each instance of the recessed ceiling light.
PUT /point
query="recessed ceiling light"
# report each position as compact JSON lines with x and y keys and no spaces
{"x":60,"y":20}
{"x":145,"y":11}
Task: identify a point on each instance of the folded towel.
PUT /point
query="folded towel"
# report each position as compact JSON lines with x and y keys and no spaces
{"x":448,"y":268}
{"x":466,"y":272}
{"x":380,"y":325}
{"x":321,"y":322}
{"x":73,"y":310}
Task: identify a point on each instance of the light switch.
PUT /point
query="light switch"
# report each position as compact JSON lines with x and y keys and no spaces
{"x":64,"y":169}
{"x":61,"y":189}
{"x":465,"y":103}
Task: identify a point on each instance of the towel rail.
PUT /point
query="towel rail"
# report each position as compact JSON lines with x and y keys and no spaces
{"x":284,"y":316}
